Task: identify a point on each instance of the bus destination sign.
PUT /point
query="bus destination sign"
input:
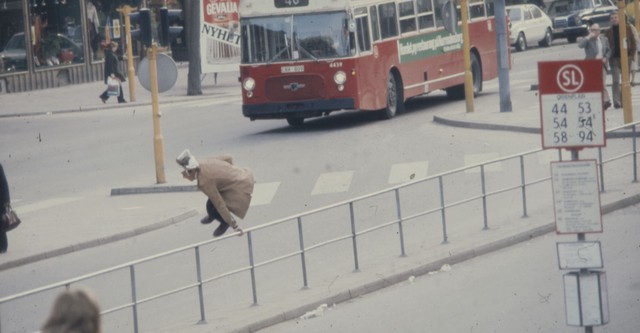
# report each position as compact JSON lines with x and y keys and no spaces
{"x":290,"y":3}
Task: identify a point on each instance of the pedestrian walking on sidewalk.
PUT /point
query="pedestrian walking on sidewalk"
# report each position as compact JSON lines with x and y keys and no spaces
{"x":74,"y":311}
{"x":596,"y":46}
{"x":5,"y":200}
{"x":228,"y":188}
{"x":613,"y":35}
{"x":112,"y":70}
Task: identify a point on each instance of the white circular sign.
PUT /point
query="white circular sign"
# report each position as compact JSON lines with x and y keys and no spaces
{"x":570,"y":78}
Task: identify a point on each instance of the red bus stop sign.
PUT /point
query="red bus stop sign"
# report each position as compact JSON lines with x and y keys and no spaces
{"x":571,"y":102}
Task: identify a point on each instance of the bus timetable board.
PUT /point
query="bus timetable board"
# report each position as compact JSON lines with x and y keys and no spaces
{"x":571,"y":104}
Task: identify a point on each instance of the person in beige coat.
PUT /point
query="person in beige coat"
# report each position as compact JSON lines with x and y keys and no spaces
{"x":227,"y":186}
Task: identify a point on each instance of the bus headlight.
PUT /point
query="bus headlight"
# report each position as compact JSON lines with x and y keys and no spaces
{"x":249,"y":84}
{"x":340,"y":77}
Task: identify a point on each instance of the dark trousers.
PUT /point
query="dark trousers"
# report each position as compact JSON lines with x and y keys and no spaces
{"x":105,"y":95}
{"x":4,"y":242}
{"x":213,"y":212}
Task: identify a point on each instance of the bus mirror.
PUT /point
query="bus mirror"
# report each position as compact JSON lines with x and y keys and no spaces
{"x":450,"y":16}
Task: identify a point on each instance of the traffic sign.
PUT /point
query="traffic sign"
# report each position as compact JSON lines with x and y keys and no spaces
{"x":165,"y":66}
{"x":571,"y":104}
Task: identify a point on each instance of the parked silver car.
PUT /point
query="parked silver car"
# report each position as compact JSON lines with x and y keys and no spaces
{"x":528,"y":25}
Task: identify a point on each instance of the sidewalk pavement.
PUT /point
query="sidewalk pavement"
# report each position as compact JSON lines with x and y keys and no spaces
{"x":145,"y":216}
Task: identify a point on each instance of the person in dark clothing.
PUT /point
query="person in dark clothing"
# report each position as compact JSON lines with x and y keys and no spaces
{"x":5,"y":199}
{"x":112,"y":69}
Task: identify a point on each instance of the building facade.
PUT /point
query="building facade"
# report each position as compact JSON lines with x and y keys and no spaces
{"x":52,"y":43}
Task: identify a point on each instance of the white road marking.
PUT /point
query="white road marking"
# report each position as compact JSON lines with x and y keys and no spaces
{"x":404,"y":172}
{"x":263,"y":193}
{"x":333,"y":182}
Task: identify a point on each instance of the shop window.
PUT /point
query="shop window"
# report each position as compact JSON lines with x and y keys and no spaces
{"x":13,"y":42}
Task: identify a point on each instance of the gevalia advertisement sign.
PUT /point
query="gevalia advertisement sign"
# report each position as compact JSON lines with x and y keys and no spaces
{"x":220,"y":36}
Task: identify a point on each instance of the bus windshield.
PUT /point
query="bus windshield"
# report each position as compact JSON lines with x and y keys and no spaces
{"x":295,"y":37}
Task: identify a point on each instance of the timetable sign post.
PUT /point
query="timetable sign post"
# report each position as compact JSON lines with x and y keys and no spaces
{"x":571,"y":104}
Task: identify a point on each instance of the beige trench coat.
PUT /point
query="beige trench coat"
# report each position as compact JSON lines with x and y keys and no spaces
{"x":229,"y":187}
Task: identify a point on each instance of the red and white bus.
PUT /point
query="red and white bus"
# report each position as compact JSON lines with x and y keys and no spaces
{"x":308,"y":58}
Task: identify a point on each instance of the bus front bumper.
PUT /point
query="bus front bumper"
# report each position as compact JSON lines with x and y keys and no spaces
{"x":301,"y":109}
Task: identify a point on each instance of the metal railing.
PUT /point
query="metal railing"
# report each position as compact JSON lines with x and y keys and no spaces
{"x":401,"y":204}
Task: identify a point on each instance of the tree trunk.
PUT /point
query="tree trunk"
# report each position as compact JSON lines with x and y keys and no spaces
{"x":192,"y":19}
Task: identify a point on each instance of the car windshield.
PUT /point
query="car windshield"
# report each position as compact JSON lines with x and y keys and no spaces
{"x":581,"y":4}
{"x":515,"y":14}
{"x":295,"y":37}
{"x":15,"y":43}
{"x":560,"y":8}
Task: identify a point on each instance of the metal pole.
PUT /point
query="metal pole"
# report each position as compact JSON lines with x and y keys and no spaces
{"x":203,"y":319}
{"x":524,"y":187}
{"x":158,"y":141}
{"x":503,"y":56}
{"x":624,"y":63}
{"x":468,"y":78}
{"x":253,"y":269}
{"x":131,"y":73}
{"x":444,"y":218}
{"x":134,"y":298}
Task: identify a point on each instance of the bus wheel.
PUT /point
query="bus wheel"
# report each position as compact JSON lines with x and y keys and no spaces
{"x":476,"y":72}
{"x":457,"y":92}
{"x":295,"y":121}
{"x":395,"y":101}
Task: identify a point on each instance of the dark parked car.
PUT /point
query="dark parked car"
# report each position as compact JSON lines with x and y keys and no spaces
{"x":572,"y":18}
{"x":14,"y":54}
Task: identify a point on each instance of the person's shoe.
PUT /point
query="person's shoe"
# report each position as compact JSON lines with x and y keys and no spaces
{"x":122,"y":101}
{"x":221,"y":229}
{"x":617,"y":105}
{"x":207,"y":219}
{"x":606,"y":105}
{"x":104,"y":100}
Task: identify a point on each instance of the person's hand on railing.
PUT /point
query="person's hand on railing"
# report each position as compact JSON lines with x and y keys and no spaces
{"x":241,"y":232}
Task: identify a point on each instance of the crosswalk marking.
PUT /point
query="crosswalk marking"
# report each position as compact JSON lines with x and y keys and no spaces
{"x":44,"y":204}
{"x":404,"y":172}
{"x":472,"y":159}
{"x":333,"y":182}
{"x":263,"y":193}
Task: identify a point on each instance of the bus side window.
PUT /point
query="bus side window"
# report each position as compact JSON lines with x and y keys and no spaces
{"x":375,"y":25}
{"x":438,"y":10}
{"x":364,"y":40}
{"x":388,"y":20}
{"x":407,"y":17}
{"x":425,"y":14}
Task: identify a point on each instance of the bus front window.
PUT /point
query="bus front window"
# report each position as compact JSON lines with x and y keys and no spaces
{"x":287,"y":38}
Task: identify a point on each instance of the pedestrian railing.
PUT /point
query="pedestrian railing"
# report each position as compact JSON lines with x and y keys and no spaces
{"x":417,"y":212}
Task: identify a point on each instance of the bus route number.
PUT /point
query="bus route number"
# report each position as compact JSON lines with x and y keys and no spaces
{"x":572,"y":120}
{"x":290,"y":3}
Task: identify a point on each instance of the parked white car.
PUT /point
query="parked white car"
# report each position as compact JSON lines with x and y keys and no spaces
{"x":529,"y":25}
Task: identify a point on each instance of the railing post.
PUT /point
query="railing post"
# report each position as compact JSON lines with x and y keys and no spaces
{"x":253,"y":269}
{"x":203,"y":320}
{"x":444,"y":218}
{"x":302,"y":254}
{"x":524,"y":187}
{"x":354,"y":241}
{"x":484,"y":197}
{"x":601,"y":167}
{"x":134,"y":298}
{"x":400,"y":229}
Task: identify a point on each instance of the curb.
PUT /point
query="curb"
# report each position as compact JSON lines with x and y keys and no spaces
{"x":476,"y":125}
{"x":153,"y":189}
{"x":98,"y":241}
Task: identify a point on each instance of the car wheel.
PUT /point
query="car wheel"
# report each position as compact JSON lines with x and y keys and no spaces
{"x":476,"y":72}
{"x":547,"y":40}
{"x":521,"y":43}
